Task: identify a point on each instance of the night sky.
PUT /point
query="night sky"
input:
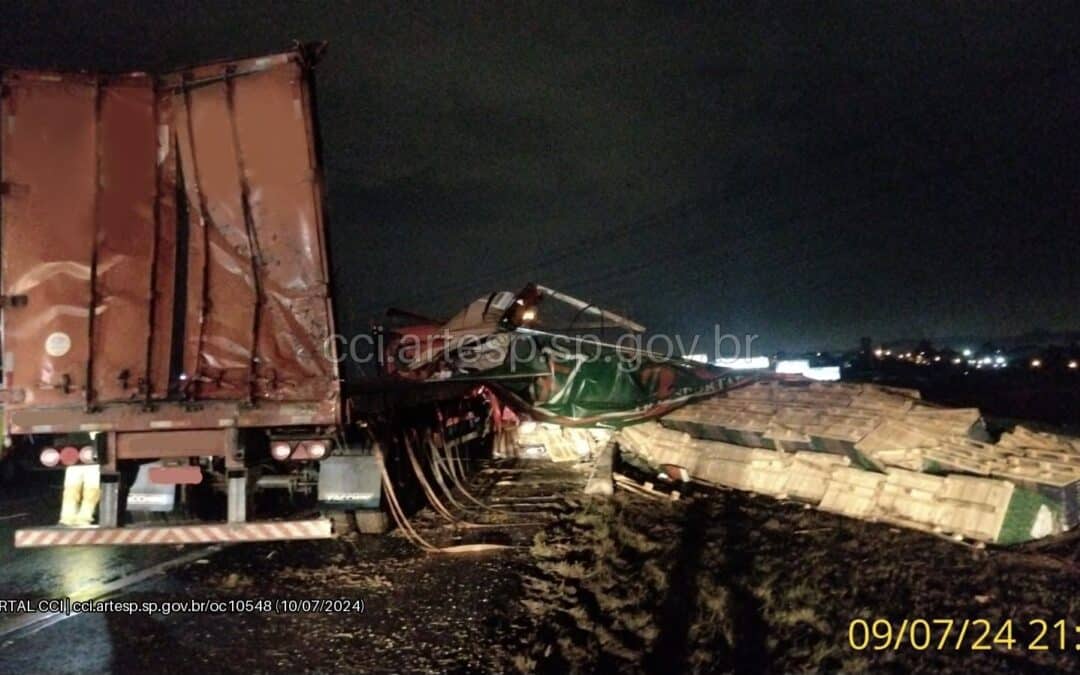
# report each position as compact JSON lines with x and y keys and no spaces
{"x":809,"y":172}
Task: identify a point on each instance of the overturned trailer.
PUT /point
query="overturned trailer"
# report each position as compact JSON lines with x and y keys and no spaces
{"x":546,"y":353}
{"x":863,"y":451}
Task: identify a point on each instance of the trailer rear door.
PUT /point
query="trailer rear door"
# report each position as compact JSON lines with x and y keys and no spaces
{"x":162,"y":237}
{"x":78,"y":162}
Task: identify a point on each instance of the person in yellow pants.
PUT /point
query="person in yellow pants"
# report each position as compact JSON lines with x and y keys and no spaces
{"x":82,"y":491}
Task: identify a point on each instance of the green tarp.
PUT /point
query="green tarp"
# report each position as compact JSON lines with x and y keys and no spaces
{"x":586,"y":383}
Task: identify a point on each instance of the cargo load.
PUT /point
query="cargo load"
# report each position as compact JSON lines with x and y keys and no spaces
{"x":873,"y":453}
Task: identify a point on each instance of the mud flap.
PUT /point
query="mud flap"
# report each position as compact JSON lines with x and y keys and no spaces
{"x":350,"y":482}
{"x":146,"y":495}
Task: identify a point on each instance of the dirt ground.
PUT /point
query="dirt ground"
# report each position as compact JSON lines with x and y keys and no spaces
{"x":730,"y":582}
{"x":713,"y":582}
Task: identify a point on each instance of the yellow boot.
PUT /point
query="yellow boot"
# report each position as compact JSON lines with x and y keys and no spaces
{"x":90,"y":497}
{"x":91,"y":493}
{"x":69,"y":507}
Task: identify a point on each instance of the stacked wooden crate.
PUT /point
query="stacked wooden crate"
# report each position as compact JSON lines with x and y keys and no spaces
{"x":811,"y":474}
{"x":659,"y":446}
{"x":852,"y":492}
{"x":910,"y":499}
{"x":714,"y":462}
{"x":560,"y":444}
{"x":894,"y":443}
{"x":874,"y":453}
{"x":1046,"y":463}
{"x":973,"y":507}
{"x":833,"y":418}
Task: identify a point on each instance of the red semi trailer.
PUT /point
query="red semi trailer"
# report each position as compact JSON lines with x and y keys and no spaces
{"x":166,"y":306}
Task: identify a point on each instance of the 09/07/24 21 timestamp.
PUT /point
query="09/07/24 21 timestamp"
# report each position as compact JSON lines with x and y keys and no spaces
{"x":963,"y":635}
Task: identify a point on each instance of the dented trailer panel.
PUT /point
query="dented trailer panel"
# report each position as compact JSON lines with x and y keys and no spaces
{"x":163,"y":239}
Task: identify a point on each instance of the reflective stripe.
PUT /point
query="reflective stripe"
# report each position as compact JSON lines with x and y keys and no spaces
{"x":178,"y":534}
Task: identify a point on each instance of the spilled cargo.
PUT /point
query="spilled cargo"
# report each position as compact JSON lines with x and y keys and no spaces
{"x":872,"y":453}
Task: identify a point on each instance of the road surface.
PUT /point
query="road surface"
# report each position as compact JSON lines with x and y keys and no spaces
{"x":717,"y":581}
{"x":392,"y":607}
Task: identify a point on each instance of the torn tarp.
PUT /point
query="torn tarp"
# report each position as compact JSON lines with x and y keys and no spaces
{"x":554,"y":368}
{"x":587,"y":384}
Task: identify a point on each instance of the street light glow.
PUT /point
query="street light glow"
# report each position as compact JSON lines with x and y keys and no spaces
{"x":745,"y":363}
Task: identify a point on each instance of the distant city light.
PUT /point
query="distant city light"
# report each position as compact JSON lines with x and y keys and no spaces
{"x":1074,"y":364}
{"x":878,"y":352}
{"x":823,"y":373}
{"x":937,"y":358}
{"x":792,"y":367}
{"x":967,"y":352}
{"x":1036,"y":363}
{"x":888,"y":352}
{"x":746,"y":363}
{"x":957,"y":360}
{"x":802,"y":367}
{"x":1000,"y":360}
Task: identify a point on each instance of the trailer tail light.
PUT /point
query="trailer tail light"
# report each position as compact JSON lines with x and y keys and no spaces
{"x":299,"y":451}
{"x":87,"y":454}
{"x":280,"y":450}
{"x":315,"y":449}
{"x":50,"y":457}
{"x":69,"y":455}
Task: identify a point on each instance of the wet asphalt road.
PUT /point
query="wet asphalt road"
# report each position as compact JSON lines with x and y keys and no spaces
{"x":41,"y":573}
{"x":720,"y":581}
{"x":422,"y":613}
{"x":57,"y":572}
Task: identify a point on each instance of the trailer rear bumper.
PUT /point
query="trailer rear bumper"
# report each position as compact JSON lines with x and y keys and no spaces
{"x":209,"y":533}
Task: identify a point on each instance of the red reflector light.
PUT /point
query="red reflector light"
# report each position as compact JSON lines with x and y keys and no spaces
{"x":69,"y":455}
{"x":50,"y":457}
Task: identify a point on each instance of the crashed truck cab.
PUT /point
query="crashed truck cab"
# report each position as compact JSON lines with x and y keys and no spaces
{"x":166,"y":314}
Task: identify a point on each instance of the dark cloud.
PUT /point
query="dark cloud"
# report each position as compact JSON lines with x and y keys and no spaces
{"x":810,"y":172}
